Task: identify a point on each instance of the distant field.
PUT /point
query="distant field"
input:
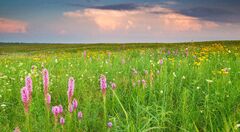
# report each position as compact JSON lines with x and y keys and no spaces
{"x":191,"y":86}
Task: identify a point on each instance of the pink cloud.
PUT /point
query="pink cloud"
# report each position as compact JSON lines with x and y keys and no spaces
{"x":144,"y":18}
{"x":12,"y":26}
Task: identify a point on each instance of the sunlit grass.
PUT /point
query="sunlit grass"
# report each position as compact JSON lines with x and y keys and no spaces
{"x":190,"y":90}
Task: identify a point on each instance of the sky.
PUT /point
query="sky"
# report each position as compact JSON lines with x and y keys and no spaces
{"x":118,"y":21}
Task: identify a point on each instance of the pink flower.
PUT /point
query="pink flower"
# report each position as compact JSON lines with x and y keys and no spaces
{"x":45,"y":81}
{"x":103,"y":84}
{"x":25,"y":95}
{"x":48,"y":98}
{"x":75,"y":104}
{"x":71,"y":109}
{"x":62,"y":121}
{"x":70,"y":88}
{"x":60,"y":109}
{"x":55,"y":110}
{"x":113,"y":86}
{"x":28,"y":83}
{"x":109,"y":124}
{"x":161,"y":61}
{"x":80,"y":115}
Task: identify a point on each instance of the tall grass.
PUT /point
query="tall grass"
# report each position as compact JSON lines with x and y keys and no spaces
{"x":194,"y":92}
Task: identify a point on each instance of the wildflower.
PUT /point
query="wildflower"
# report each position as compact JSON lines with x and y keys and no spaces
{"x":70,"y":90}
{"x":3,"y":105}
{"x":71,"y":109}
{"x":103,"y":84}
{"x":25,"y":98}
{"x":109,"y":124}
{"x":45,"y":81}
{"x":113,"y":86}
{"x":160,"y":62}
{"x":209,"y":81}
{"x":28,"y":84}
{"x":62,"y":121}
{"x":80,"y":115}
{"x":60,"y":109}
{"x":55,"y":110}
{"x":183,"y":77}
{"x":48,"y":99}
{"x":161,"y":91}
{"x":75,"y":104}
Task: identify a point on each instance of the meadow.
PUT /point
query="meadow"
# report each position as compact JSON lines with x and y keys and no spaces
{"x":191,"y":86}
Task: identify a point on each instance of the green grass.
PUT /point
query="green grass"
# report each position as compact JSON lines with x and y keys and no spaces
{"x":177,"y":95}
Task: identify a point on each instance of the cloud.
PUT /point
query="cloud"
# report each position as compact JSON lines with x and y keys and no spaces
{"x":212,"y":14}
{"x":12,"y":26}
{"x":146,"y":17}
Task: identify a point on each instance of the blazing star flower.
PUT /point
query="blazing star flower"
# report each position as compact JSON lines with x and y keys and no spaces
{"x":113,"y":86}
{"x":28,"y":84}
{"x":48,"y":99}
{"x":109,"y":124}
{"x":60,"y":109}
{"x":103,"y":84}
{"x":45,"y":81}
{"x":75,"y":104}
{"x":62,"y":121}
{"x":25,"y":95}
{"x":160,"y":61}
{"x":25,"y":98}
{"x":80,"y":115}
{"x":70,"y":89}
{"x":55,"y":110}
{"x":71,"y":109}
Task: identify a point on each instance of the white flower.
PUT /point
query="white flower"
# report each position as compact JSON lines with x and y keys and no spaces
{"x":209,"y":81}
{"x":161,"y":91}
{"x":183,"y":77}
{"x":3,"y":105}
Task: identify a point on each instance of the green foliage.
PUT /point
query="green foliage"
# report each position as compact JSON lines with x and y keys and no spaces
{"x":195,"y":93}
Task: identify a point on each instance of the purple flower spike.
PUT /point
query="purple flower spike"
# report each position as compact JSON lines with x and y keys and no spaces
{"x":114,"y":86}
{"x":28,"y":83}
{"x":62,"y":121}
{"x":103,"y":84}
{"x":70,"y":88}
{"x":75,"y":104}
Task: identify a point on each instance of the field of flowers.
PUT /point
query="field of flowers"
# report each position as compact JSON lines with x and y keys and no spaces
{"x":145,"y":87}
